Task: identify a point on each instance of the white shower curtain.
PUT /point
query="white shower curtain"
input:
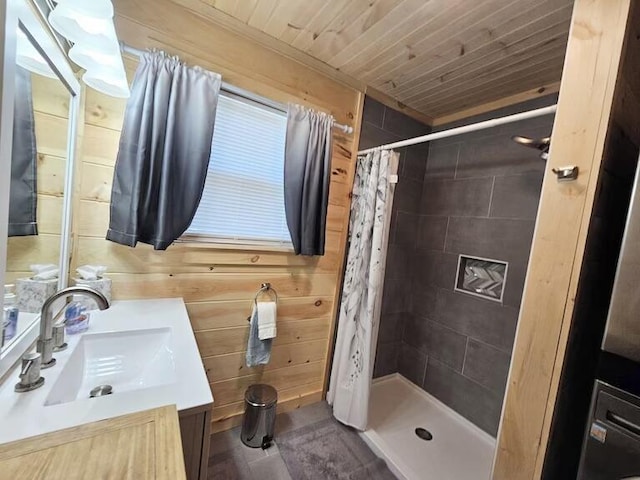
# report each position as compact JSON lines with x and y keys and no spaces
{"x":355,"y":348}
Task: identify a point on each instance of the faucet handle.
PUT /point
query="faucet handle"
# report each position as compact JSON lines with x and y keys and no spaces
{"x":30,"y":378}
{"x":58,"y":338}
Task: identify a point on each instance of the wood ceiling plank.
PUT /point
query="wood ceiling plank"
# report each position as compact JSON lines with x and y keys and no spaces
{"x":351,"y":24}
{"x":262,"y":13}
{"x":429,"y":55}
{"x":233,"y":25}
{"x":290,"y":15}
{"x":552,"y":38}
{"x":496,"y":87}
{"x":244,"y":9}
{"x":484,"y":40}
{"x":499,"y":90}
{"x":510,"y":89}
{"x":510,"y":85}
{"x":226,"y":6}
{"x":486,"y":93}
{"x":400,"y":19}
{"x":509,"y":73}
{"x":527,"y":59}
{"x":450,"y":30}
{"x":399,"y":38}
{"x":302,"y":39}
{"x":377,"y":15}
{"x":497,"y":104}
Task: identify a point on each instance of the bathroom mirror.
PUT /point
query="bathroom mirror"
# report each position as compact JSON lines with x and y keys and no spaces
{"x":41,"y":104}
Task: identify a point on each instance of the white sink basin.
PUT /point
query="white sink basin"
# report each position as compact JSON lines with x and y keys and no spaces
{"x":144,"y":349}
{"x":125,"y":360}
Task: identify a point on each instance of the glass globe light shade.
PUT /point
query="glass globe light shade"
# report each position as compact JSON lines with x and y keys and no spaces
{"x":77,"y":26}
{"x":108,"y":79}
{"x":28,"y":57}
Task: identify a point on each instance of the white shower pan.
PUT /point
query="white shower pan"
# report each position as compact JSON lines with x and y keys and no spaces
{"x":458,"y":451}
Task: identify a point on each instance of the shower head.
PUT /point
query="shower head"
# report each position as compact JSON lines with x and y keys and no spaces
{"x":541,"y":144}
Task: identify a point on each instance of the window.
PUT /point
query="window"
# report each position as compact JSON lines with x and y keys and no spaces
{"x":243,"y":198}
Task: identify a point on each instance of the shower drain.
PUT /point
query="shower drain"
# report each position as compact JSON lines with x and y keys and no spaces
{"x":424,"y":434}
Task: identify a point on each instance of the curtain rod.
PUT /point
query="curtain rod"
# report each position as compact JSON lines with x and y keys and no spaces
{"x":538,"y":112}
{"x":241,"y":92}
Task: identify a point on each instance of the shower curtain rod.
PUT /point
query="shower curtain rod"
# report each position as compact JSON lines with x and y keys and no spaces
{"x":494,"y":122}
{"x":241,"y":92}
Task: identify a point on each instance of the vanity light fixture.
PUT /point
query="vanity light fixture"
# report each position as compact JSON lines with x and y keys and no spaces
{"x":88,"y":57}
{"x":104,"y":71}
{"x":89,"y":25}
{"x":84,"y":21}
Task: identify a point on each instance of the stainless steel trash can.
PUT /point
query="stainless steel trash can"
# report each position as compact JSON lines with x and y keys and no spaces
{"x":259,"y":416}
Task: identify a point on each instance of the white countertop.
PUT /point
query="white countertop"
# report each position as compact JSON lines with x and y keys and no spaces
{"x":25,"y":414}
{"x":25,"y":320}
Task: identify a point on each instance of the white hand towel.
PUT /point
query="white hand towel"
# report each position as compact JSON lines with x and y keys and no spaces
{"x":267,"y":320}
{"x":258,"y":351}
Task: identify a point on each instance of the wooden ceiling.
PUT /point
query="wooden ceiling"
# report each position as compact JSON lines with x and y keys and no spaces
{"x":436,"y":56}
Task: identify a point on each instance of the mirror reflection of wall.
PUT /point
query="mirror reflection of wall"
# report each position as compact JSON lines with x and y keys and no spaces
{"x":38,"y":163}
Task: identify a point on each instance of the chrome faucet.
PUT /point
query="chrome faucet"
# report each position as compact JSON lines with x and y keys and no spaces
{"x":45,"y":340}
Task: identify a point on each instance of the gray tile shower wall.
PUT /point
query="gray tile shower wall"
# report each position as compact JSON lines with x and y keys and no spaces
{"x":384,"y":125}
{"x":480,"y":196}
{"x":475,"y":194}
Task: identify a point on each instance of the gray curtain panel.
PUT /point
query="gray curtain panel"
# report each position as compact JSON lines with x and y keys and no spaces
{"x":164,"y":151}
{"x":307,"y":172}
{"x":23,"y":198}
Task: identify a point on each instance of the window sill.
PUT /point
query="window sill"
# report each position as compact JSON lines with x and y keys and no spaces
{"x":214,"y":244}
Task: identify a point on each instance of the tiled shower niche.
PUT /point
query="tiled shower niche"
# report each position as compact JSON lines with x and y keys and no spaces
{"x":481,"y":277}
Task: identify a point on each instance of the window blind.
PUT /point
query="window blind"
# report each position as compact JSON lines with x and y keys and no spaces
{"x":243,"y":199}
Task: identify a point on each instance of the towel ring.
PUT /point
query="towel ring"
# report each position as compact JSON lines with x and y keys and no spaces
{"x":264,"y":288}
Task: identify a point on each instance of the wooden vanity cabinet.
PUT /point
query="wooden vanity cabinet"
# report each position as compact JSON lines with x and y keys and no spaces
{"x":195,"y":431}
{"x":141,"y":445}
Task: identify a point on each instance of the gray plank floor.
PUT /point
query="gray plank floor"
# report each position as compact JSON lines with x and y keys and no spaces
{"x":229,"y":459}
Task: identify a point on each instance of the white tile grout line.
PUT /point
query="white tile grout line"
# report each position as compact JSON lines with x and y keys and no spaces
{"x":455,"y":170}
{"x":384,"y":116}
{"x":464,"y":358}
{"x":446,"y":234}
{"x":424,"y":374}
{"x":426,"y":166}
{"x":493,"y":347}
{"x":493,"y":184}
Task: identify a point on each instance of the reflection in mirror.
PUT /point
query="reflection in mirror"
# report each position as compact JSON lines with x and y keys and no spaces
{"x":38,"y":161}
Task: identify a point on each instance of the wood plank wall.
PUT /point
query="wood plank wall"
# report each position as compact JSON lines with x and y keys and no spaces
{"x":51,"y":111}
{"x":580,"y":129}
{"x":218,"y":284}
